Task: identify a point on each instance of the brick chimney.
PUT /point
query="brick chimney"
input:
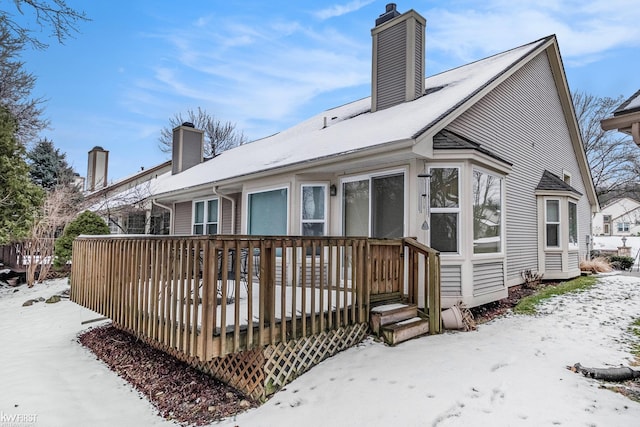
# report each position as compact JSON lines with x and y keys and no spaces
{"x":188,"y":145}
{"x":397,"y":71}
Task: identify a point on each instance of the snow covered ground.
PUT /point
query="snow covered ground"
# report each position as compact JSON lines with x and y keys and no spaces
{"x":510,"y":372}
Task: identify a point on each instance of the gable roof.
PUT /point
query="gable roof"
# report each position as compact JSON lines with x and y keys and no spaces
{"x":351,"y":129}
{"x":552,"y":182}
{"x":351,"y":132}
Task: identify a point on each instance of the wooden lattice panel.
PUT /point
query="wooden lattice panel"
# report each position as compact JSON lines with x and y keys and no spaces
{"x":286,"y":361}
{"x":242,"y":371}
{"x":259,"y":373}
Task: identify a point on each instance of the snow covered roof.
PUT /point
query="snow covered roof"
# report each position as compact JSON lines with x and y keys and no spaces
{"x":630,"y":105}
{"x":352,"y":127}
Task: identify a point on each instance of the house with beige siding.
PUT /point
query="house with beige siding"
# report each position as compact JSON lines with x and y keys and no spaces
{"x":483,"y":162}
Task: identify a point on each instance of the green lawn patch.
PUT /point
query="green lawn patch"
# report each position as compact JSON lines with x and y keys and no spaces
{"x":634,"y":329}
{"x":527,"y":305}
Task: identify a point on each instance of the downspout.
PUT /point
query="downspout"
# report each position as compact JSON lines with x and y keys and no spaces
{"x":233,"y":207}
{"x":170,"y":209}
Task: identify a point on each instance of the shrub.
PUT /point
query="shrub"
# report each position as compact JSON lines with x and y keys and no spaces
{"x":86,"y":223}
{"x":596,"y":265}
{"x":620,"y":262}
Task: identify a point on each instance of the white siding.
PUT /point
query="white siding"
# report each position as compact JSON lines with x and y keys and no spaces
{"x":451,"y":280}
{"x":574,"y":260}
{"x":553,"y":262}
{"x":488,"y":277}
{"x":522,"y":122}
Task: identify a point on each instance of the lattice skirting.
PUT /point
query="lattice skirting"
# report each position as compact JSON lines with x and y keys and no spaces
{"x":286,"y":361}
{"x":261,"y":372}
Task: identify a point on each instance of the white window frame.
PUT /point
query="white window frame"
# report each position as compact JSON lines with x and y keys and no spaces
{"x":557,"y":223}
{"x":266,"y":190}
{"x":502,"y":211}
{"x":572,"y":245}
{"x":369,"y":177}
{"x":457,"y":210}
{"x":205,"y":224}
{"x":620,"y":227}
{"x":326,"y":207}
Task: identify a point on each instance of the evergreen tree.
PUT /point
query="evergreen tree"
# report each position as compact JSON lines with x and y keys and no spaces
{"x":48,"y":166}
{"x":19,"y":197}
{"x":86,"y":223}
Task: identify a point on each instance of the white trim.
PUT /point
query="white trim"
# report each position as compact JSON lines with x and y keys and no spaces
{"x":266,"y":190}
{"x":572,"y":246}
{"x":558,"y":223}
{"x":325,"y":219}
{"x":502,"y":179}
{"x":205,"y":223}
{"x":369,"y":177}
{"x":458,"y":210}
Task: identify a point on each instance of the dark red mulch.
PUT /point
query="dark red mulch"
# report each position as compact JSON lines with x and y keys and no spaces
{"x":484,"y":313}
{"x":179,"y":391}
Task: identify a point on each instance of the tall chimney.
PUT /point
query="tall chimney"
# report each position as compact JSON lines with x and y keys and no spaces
{"x":397,"y":70}
{"x":97,"y":168}
{"x":188,"y":146}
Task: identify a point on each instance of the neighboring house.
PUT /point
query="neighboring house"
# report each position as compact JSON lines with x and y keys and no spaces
{"x":619,"y":217}
{"x":626,"y":118}
{"x":126,"y":204}
{"x":484,"y":163}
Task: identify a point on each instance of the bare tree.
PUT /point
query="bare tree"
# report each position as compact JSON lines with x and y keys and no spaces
{"x":613,"y":157}
{"x":56,"y":14}
{"x":58,"y":209}
{"x":131,"y":204}
{"x":16,"y":85}
{"x":219,"y":136}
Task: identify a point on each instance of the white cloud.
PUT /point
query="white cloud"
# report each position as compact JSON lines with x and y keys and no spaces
{"x":341,"y":9}
{"x":585,"y":30}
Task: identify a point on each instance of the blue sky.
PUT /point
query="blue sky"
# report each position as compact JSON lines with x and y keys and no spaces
{"x":268,"y":65}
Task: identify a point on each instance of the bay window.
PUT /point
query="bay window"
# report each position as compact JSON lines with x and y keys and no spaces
{"x":445,"y":208}
{"x":487,"y":213}
{"x":552,"y":223}
{"x":573,"y":225}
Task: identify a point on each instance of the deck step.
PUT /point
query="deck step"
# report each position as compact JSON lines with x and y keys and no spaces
{"x":398,"y":332}
{"x":390,"y":313}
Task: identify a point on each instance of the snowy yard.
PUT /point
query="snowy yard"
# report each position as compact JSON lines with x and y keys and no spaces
{"x":511,"y":371}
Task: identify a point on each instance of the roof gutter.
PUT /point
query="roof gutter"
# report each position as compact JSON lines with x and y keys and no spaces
{"x":169,"y":208}
{"x":316,"y":162}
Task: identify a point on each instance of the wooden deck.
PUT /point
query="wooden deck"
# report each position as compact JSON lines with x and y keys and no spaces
{"x":233,"y":302}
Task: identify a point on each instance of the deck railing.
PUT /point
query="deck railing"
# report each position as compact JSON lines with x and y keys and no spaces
{"x":208,"y":296}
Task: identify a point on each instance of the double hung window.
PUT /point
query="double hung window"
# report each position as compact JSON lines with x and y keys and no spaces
{"x":205,"y":217}
{"x":314,"y":210}
{"x":487,"y":213}
{"x":445,"y":208}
